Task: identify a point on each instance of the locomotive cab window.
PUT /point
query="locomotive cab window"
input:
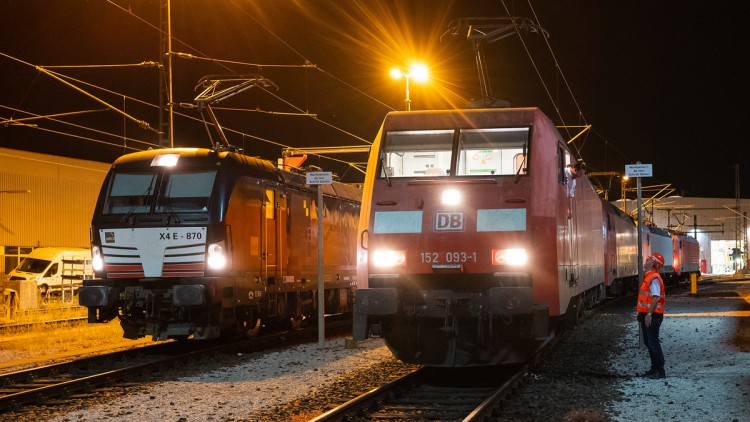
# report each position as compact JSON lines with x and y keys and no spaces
{"x":186,"y":191}
{"x":417,"y":153}
{"x":135,"y":193}
{"x":130,"y":193}
{"x":498,"y":151}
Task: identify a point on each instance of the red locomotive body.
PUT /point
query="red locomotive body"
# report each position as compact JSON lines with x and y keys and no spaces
{"x":474,"y":242}
{"x":686,"y":256}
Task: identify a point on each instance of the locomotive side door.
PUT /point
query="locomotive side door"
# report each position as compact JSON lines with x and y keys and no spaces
{"x":269,"y":236}
{"x":568,"y":253}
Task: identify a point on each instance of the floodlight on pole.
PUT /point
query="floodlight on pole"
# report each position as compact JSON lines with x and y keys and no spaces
{"x":418,"y":72}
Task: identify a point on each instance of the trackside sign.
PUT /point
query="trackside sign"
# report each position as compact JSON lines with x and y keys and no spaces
{"x":639,"y":170}
{"x":319,"y":177}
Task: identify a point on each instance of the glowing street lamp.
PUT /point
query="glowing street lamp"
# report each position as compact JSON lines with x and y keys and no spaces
{"x":418,"y":72}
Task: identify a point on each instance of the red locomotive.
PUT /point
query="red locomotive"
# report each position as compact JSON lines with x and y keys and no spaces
{"x":476,"y":245}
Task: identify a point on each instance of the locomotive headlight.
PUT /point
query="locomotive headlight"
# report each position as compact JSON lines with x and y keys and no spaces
{"x":97,"y":262}
{"x":451,"y":197}
{"x":388,"y":258}
{"x":513,"y":257}
{"x":165,"y":160}
{"x":217,"y":258}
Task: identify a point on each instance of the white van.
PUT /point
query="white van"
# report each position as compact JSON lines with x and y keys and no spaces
{"x":55,"y":269}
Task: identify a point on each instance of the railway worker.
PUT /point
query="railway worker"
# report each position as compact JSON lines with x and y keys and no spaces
{"x":573,"y":172}
{"x":650,"y":308}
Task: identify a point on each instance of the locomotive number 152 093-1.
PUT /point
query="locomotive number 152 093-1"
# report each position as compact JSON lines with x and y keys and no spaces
{"x":448,"y":257}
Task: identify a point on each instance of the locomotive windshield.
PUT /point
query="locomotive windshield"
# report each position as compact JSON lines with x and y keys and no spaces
{"x":480,"y":152}
{"x":136,"y":192}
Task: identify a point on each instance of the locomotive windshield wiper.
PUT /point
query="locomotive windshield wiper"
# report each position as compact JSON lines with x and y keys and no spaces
{"x":172,"y":213}
{"x":522,"y":166}
{"x":132,"y":208}
{"x":385,"y":171}
{"x":165,"y":202}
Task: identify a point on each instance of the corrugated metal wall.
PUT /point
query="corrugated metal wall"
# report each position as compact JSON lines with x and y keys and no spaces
{"x":61,"y":197}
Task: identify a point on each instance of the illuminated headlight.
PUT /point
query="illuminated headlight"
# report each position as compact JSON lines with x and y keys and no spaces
{"x":509,"y":257}
{"x":451,"y":197}
{"x":165,"y":160}
{"x":97,"y":262}
{"x":217,"y":259}
{"x":389,"y":258}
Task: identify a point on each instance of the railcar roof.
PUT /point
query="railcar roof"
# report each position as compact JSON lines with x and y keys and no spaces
{"x":464,"y":118}
{"x":253,"y":166}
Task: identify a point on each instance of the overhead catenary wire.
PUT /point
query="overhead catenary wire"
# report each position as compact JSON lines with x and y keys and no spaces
{"x":65,"y":80}
{"x":223,"y":63}
{"x":52,"y":118}
{"x":537,"y":71}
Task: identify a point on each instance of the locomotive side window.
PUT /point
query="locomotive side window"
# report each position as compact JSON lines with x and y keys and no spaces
{"x":130,"y":193}
{"x":417,"y":153}
{"x":270,"y":201}
{"x":186,"y":191}
{"x":561,"y":165}
{"x":497,"y":151}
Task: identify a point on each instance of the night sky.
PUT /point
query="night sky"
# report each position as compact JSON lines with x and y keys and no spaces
{"x":660,"y":82}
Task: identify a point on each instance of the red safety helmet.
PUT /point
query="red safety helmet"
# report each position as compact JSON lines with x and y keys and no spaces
{"x":657,"y":258}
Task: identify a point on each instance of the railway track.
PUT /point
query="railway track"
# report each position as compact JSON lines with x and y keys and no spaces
{"x":30,"y":319}
{"x":30,"y":326}
{"x":438,"y":394}
{"x":56,"y":384}
{"x":433,"y":394}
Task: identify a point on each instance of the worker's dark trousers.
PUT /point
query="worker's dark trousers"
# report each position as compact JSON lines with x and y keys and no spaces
{"x":651,"y":340}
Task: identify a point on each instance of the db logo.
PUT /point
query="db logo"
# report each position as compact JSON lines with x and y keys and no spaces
{"x":449,"y":221}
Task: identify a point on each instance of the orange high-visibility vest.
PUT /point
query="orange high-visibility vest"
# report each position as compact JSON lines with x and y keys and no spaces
{"x":644,"y":294}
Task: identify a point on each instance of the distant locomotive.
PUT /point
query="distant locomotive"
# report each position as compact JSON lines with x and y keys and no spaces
{"x":475,"y":245}
{"x":207,"y":243}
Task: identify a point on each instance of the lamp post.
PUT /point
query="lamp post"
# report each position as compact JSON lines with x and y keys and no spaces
{"x":417,"y":71}
{"x":623,"y":182}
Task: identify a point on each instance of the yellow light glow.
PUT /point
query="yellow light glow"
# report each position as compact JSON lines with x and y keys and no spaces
{"x":419,"y":72}
{"x":396,"y":73}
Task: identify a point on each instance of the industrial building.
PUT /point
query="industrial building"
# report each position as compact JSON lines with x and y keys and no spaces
{"x":45,"y":200}
{"x":719,"y":224}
